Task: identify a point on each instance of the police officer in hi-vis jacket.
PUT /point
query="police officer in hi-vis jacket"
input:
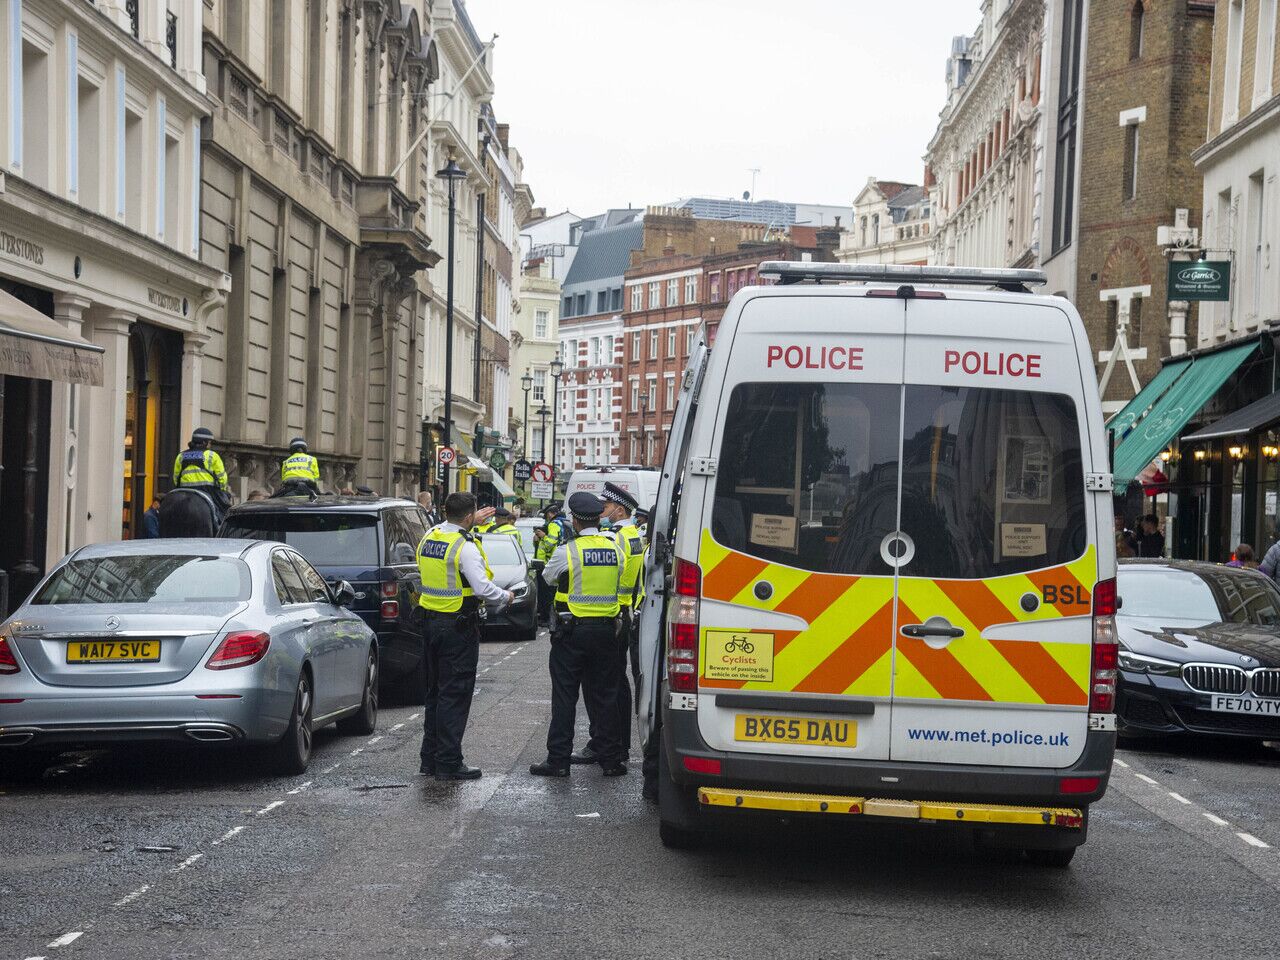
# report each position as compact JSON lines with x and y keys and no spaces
{"x":586,"y":572}
{"x":456,"y":579}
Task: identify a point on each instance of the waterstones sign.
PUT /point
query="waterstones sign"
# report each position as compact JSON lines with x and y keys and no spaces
{"x":1199,"y":280}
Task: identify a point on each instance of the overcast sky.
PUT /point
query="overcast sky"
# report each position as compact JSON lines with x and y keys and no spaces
{"x":642,"y":101}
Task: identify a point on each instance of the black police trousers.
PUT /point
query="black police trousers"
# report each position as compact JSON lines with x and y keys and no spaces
{"x":585,"y":658}
{"x":625,"y":644}
{"x":452,"y":653}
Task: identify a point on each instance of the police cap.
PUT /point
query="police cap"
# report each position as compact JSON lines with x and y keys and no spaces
{"x":502,"y":513}
{"x":585,"y":506}
{"x":615,"y":494}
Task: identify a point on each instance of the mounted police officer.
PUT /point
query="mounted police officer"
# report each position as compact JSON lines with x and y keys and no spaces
{"x":618,"y":507}
{"x":456,"y":579}
{"x":587,"y":572}
{"x":300,"y":471}
{"x":551,"y":535}
{"x":199,"y":466}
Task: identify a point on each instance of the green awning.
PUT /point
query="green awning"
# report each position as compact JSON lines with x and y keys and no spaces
{"x":1124,"y":421}
{"x":1181,"y":401}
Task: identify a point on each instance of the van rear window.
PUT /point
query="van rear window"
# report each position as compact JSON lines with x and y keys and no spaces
{"x":991,"y":480}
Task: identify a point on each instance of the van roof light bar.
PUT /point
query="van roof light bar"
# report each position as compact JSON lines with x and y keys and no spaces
{"x":792,"y":271}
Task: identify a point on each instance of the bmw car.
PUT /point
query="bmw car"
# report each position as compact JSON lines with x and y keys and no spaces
{"x":1199,"y":650}
{"x":197,"y":641}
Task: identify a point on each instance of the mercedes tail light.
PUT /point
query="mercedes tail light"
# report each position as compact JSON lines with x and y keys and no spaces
{"x":682,"y":637}
{"x":1106,"y":651}
{"x":239,"y":650}
{"x":8,"y":662}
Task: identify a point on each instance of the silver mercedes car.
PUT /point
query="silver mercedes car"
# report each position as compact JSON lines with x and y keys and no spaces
{"x":205,"y":641}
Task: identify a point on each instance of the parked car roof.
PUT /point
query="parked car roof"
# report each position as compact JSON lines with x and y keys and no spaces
{"x":290,"y":504}
{"x":1191,"y":566}
{"x":179,"y":546}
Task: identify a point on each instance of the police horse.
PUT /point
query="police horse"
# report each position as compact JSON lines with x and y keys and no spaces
{"x":189,"y":512}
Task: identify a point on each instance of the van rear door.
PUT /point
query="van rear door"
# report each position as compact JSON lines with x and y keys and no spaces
{"x":797,"y":592}
{"x":998,"y":563}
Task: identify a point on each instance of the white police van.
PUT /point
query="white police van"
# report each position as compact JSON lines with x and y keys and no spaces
{"x":881,"y":580}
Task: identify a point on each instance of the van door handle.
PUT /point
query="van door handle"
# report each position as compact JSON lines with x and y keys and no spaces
{"x":933,"y":627}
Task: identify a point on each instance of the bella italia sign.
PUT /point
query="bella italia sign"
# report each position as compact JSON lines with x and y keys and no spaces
{"x":1200,"y":280}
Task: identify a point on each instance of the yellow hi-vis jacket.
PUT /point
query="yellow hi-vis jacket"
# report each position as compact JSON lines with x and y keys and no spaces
{"x":590,"y":585}
{"x":199,"y":468}
{"x":632,"y":546}
{"x":555,"y":536}
{"x":444,"y":588}
{"x":300,"y":466}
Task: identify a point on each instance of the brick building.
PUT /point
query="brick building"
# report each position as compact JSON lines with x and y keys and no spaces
{"x":1147,"y":83}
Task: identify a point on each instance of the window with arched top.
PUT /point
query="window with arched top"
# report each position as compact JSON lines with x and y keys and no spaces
{"x":1136,"y":17}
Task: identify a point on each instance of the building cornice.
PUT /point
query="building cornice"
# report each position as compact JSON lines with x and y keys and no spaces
{"x":1251,"y":125}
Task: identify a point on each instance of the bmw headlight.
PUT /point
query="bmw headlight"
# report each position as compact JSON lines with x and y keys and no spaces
{"x":1137,"y":663}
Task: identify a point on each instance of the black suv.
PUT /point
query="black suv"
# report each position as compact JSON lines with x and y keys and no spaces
{"x":371,"y":543}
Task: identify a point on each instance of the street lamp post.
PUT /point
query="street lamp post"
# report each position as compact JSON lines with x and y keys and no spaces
{"x":451,"y":174}
{"x":644,"y":417}
{"x":557,"y":370}
{"x":542,"y":412}
{"x":526,"y":384}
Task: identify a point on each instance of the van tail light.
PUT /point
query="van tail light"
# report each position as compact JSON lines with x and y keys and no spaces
{"x":239,"y":650}
{"x":1106,"y":650}
{"x":390,"y":609}
{"x":682,"y":637}
{"x":8,"y":662}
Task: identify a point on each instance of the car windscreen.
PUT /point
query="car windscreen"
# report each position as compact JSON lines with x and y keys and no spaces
{"x":149,"y":578}
{"x":326,"y":539}
{"x":501,"y":550}
{"x":1165,"y":594}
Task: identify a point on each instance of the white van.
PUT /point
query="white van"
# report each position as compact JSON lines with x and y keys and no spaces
{"x":882,"y":575}
{"x":640,"y":482}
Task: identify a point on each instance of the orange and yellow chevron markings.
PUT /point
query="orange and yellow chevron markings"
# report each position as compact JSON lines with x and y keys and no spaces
{"x":848,"y":645}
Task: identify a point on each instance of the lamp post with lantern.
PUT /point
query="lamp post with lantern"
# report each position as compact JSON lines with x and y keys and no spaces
{"x":526,"y":384}
{"x":557,"y":371}
{"x":451,"y":174}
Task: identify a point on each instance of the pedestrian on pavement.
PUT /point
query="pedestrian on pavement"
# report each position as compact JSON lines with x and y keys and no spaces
{"x":1126,"y":541}
{"x":456,"y":579}
{"x":1150,"y":540}
{"x":1243,"y":558}
{"x":618,"y":507}
{"x":427,"y":501}
{"x":586,"y":571}
{"x":551,"y":535}
{"x":151,"y":519}
{"x":199,"y":466}
{"x":299,"y":472}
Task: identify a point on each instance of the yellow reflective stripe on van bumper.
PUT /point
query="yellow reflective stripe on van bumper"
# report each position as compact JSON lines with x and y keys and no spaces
{"x":1070,"y":818}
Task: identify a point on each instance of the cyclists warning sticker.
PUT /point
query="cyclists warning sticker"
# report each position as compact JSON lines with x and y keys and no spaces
{"x":738,"y":655}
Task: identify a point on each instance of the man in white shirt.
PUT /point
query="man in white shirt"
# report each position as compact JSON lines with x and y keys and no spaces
{"x":455,"y":581}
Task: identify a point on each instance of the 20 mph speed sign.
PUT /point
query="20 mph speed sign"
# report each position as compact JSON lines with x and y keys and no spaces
{"x":543,"y":473}
{"x":448,"y":455}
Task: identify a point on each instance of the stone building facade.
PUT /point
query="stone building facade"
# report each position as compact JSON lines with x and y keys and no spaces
{"x":891,"y":224}
{"x":100,"y":151}
{"x":987,"y":153}
{"x":1147,"y":78}
{"x":323,"y":331}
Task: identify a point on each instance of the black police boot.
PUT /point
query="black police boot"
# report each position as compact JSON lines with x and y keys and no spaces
{"x":427,"y":769}
{"x":615,"y":768}
{"x":460,"y":772}
{"x":549,"y":769}
{"x":583,"y":756}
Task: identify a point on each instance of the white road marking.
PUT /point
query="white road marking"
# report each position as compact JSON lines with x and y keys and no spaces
{"x":187,"y":862}
{"x":1145,"y":779}
{"x":332,"y":767}
{"x":35,"y":958}
{"x":1180,"y":798}
{"x":1252,"y":841}
{"x":133,"y":895}
{"x":228,"y":835}
{"x":397,"y":726}
{"x":414,"y":716}
{"x":357,"y":750}
{"x":585,"y":816}
{"x":271,"y":806}
{"x":1120,"y":763}
{"x":373,"y":741}
{"x":1214,"y":818}
{"x":67,"y":938}
{"x":300,"y":787}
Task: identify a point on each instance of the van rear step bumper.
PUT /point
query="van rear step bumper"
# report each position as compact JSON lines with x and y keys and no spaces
{"x":1069,"y":818}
